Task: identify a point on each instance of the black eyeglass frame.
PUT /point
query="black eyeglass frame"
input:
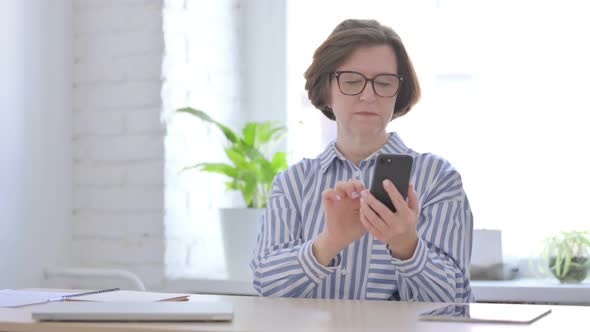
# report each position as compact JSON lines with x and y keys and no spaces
{"x":372,"y":80}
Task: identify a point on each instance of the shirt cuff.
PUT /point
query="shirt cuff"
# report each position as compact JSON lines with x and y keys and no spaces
{"x":413,"y":265}
{"x":312,"y":268}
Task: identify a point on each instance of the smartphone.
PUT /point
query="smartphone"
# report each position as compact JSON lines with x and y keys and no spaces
{"x":395,"y":167}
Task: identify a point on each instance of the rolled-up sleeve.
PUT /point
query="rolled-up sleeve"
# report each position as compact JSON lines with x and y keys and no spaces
{"x":439,"y":269}
{"x":283,"y":263}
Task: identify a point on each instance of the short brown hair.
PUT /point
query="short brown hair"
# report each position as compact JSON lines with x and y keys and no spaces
{"x":342,"y":42}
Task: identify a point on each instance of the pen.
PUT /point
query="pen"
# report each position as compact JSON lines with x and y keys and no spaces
{"x":69,"y":296}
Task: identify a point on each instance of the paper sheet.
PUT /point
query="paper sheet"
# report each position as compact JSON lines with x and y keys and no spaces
{"x":15,"y":298}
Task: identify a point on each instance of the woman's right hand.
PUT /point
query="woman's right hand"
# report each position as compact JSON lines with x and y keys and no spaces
{"x":343,"y":224}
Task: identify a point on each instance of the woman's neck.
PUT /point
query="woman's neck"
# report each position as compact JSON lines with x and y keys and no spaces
{"x":358,"y":148}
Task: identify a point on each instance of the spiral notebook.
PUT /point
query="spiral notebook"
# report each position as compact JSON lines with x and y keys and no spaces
{"x":128,"y":296}
{"x":10,"y":298}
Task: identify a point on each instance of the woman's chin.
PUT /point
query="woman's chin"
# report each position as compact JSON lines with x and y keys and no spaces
{"x":367,"y":130}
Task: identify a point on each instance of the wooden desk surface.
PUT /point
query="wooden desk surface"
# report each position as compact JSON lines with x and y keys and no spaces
{"x":280,"y":314}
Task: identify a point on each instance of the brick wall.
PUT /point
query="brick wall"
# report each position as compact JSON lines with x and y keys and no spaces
{"x":132,"y":207}
{"x":118,"y":138}
{"x":135,"y":62}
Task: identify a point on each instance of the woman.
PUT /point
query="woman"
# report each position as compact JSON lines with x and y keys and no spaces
{"x":323,"y":234}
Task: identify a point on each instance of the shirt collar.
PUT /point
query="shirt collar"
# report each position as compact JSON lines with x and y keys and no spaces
{"x":393,"y":145}
{"x":327,"y":157}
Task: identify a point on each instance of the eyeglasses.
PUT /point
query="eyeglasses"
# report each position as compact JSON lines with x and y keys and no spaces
{"x":352,"y":83}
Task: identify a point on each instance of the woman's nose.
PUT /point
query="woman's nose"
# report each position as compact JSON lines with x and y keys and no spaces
{"x":368,"y":94}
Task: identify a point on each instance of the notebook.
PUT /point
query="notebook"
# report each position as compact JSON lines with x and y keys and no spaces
{"x":11,"y":298}
{"x":488,"y":313}
{"x":129,"y":296}
{"x":125,"y":312}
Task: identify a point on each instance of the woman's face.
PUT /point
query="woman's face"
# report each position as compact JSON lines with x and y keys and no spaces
{"x":365,"y":113}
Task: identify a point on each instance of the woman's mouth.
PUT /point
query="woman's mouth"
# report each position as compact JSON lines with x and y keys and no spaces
{"x":365,"y":113}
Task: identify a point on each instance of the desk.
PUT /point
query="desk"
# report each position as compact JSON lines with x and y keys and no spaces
{"x":281,"y":314}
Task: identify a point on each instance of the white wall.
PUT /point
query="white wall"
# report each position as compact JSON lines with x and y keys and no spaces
{"x":81,"y":139}
{"x":264,"y":48}
{"x":35,"y":127}
{"x":118,"y":139}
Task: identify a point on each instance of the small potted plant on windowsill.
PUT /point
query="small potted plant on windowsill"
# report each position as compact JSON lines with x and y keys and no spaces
{"x":251,"y":172}
{"x":567,"y":255}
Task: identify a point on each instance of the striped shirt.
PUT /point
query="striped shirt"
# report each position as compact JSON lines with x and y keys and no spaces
{"x":283,"y":263}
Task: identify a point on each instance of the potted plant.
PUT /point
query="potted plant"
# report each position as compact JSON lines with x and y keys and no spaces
{"x":251,"y":171}
{"x":567,"y":256}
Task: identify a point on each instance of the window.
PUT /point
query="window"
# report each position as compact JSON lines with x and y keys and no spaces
{"x":225,"y":58}
{"x":201,"y":70}
{"x":503,"y":100}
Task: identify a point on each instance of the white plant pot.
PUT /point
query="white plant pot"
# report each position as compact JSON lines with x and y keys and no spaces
{"x":239,"y":230}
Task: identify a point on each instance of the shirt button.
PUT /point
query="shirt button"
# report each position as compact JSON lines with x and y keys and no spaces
{"x":343,"y":272}
{"x":358,"y":175}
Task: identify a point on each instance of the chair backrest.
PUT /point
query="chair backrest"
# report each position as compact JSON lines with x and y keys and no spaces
{"x":91,"y":278}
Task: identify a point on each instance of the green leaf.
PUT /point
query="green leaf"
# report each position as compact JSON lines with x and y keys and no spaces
{"x":232,"y":185}
{"x":219,"y":168}
{"x":249,"y":179}
{"x":277,"y":133}
{"x":263,"y":134}
{"x":279,"y":162}
{"x":263,"y":165}
{"x":252,"y":173}
{"x":566,"y":264}
{"x":229,"y":134}
{"x":236,"y":156}
{"x":251,"y":152}
{"x":268,"y":174}
{"x":557,"y":266}
{"x":269,"y":132}
{"x":249,"y":133}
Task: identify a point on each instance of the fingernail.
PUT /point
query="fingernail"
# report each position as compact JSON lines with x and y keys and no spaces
{"x":338,"y":197}
{"x":386,"y":183}
{"x":364,"y":193}
{"x":354,"y":195}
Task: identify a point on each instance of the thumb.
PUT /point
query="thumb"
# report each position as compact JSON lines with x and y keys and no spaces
{"x":413,"y":199}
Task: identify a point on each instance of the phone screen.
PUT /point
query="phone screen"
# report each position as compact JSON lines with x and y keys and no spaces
{"x":395,"y":167}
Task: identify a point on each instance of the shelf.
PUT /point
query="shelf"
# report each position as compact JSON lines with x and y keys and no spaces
{"x":531,"y":291}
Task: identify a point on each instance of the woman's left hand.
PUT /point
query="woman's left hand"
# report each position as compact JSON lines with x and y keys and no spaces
{"x":397,"y":229}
